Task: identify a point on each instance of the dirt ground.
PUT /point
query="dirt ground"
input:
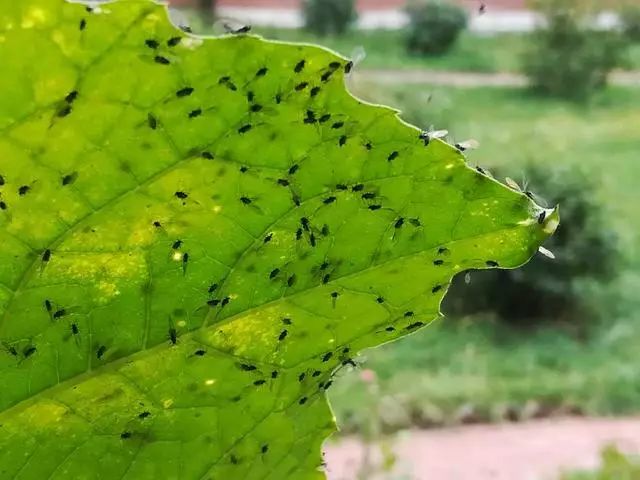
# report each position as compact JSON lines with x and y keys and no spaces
{"x":537,"y":450}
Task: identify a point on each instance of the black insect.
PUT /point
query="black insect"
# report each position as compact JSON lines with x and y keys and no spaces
{"x":348,"y":67}
{"x":392,"y":156}
{"x":283,"y":335}
{"x":213,"y":287}
{"x":71,"y":96}
{"x":326,"y":278}
{"x":314,"y":91}
{"x":301,"y":86}
{"x":380,"y":299}
{"x":145,"y":414}
{"x":337,"y":125}
{"x":349,"y":361}
{"x":358,"y":187}
{"x":291,"y":281}
{"x":125,"y":435}
{"x":274,"y":273}
{"x":283,"y":182}
{"x":415,"y":325}
{"x":368,"y":196}
{"x":69,"y":179}
{"x":262,"y":72}
{"x":274,"y":374}
{"x":2,"y":181}
{"x":152,"y":121}
{"x":542,"y":217}
{"x":46,"y":255}
{"x":310,"y":117}
{"x":342,"y":141}
{"x":293,"y":169}
{"x":390,"y":329}
{"x":324,"y":118}
{"x":207,"y":155}
{"x":173,"y":336}
{"x":29,"y":351}
{"x":234,"y":460}
{"x":48,"y":306}
{"x":399,"y":223}
{"x":415,"y":222}
{"x":408,"y":314}
{"x":245,"y":200}
{"x":83,"y":24}
{"x":213,"y":303}
{"x":225,"y":301}
{"x":199,"y":353}
{"x":264,"y":448}
{"x":304,"y":221}
{"x":302,"y":376}
{"x":334,"y":65}
{"x":255,"y":108}
{"x":287,"y":321}
{"x":298,"y":234}
{"x":184,"y":92}
{"x":101,"y":351}
{"x":326,"y":76}
{"x":368,"y":145}
{"x":23,"y":190}
{"x":324,"y":265}
{"x":329,"y":200}
{"x":161,"y":60}
{"x":278,"y":98}
{"x":491,"y":263}
{"x":244,"y":169}
{"x":325,"y":230}
{"x":247,"y":367}
{"x":173,"y":41}
{"x":438,"y":262}
{"x":327,"y":356}
{"x":177,"y":244}
{"x":443,"y":250}
{"x":436,"y":289}
{"x":237,"y":31}
{"x":59,"y":314}
{"x":3,"y":205}
{"x":328,"y":384}
{"x":299,"y":66}
{"x":185,"y":262}
{"x":302,"y":401}
{"x":245,"y":128}
{"x":151,"y":43}
{"x":64,"y":111}
{"x":316,"y":373}
{"x":257,"y":383}
{"x":268,"y":238}
{"x":74,"y":329}
{"x":375,"y":207}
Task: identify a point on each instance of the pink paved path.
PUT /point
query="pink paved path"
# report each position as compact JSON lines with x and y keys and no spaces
{"x":536,"y":450}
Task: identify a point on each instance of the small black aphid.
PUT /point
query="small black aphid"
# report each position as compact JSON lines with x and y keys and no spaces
{"x":47,"y":305}
{"x":324,"y":265}
{"x":415,"y":325}
{"x":181,"y":195}
{"x":207,"y":155}
{"x":213,"y":303}
{"x":304,"y":221}
{"x":245,"y":200}
{"x":298,"y":234}
{"x":257,"y":383}
{"x":274,"y":273}
{"x":173,"y":336}
{"x":301,"y":376}
{"x":368,"y":145}
{"x":3,"y":206}
{"x":213,"y":287}
{"x":244,"y":169}
{"x":283,"y":335}
{"x":28,"y":351}
{"x":368,"y":196}
{"x":264,"y":448}
{"x":329,"y":200}
{"x":278,"y":98}
{"x":310,"y":118}
{"x":173,"y":41}
{"x":478,"y":169}
{"x":399,"y":223}
{"x":225,"y":301}
{"x":312,"y":240}
{"x":299,"y":66}
{"x":151,"y":43}
{"x":342,"y":141}
{"x":233,"y":459}
{"x":283,"y":182}
{"x":177,"y":244}
{"x":302,"y":401}
{"x":375,"y":207}
{"x":334,"y":65}
{"x":262,"y":72}
{"x":436,"y":289}
{"x":415,"y":222}
{"x":74,"y":329}
{"x":291,"y":281}
{"x":200,"y":353}
{"x":348,"y":66}
{"x":125,"y":435}
{"x":301,"y":86}
{"x":274,"y":374}
{"x":328,"y":384}
{"x":408,"y":314}
{"x":390,"y":329}
{"x":324,"y":118}
{"x":335,"y":295}
{"x":541,"y":217}
{"x":392,"y":156}
{"x":245,"y":128}
{"x":1,"y":181}
{"x":59,"y":314}
{"x":491,"y":263}
{"x":316,"y":373}
{"x":64,"y":111}
{"x":12,"y":350}
{"x":161,"y":60}
{"x":46,"y":255}
{"x":346,"y":350}
{"x":157,"y":224}
{"x":327,"y":356}
{"x":287,"y":321}
{"x":326,"y":278}
{"x":438,"y":262}
{"x":247,"y":368}
{"x":349,"y":361}
{"x":337,"y":125}
{"x":23,"y":190}
{"x":184,"y":92}
{"x":69,"y":179}
{"x":101,"y":351}
{"x":152,"y":121}
{"x":325,"y":230}
{"x":341,"y":186}
{"x":250,"y":96}
{"x":268,"y":238}
{"x":358,"y":187}
{"x":144,"y":415}
{"x":71,"y":96}
{"x":314,"y":91}
{"x":255,"y":108}
{"x":293,"y":169}
{"x":380,"y":299}
{"x":443,"y":250}
{"x":83,"y":24}
{"x":326,"y":76}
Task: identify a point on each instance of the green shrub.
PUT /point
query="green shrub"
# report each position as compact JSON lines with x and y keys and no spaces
{"x":328,"y":17}
{"x":630,"y":18}
{"x":569,"y":58}
{"x":434,"y":26}
{"x":545,"y":289}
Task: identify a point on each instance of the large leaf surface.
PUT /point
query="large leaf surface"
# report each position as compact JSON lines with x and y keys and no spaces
{"x":195,"y":234}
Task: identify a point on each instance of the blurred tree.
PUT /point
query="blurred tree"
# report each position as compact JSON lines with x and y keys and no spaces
{"x":207,"y":10}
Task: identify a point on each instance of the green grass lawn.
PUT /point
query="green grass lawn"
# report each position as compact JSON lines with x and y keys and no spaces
{"x":474,"y":367}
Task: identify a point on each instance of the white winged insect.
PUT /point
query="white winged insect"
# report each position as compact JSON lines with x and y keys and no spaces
{"x":524,"y":189}
{"x":546,"y":252}
{"x":430,"y":134}
{"x":231,"y":26}
{"x":470,"y":144}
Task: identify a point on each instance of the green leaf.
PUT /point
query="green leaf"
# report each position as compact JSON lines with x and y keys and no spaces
{"x":197,"y":234}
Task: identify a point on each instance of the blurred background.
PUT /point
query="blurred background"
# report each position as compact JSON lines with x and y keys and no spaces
{"x":533,"y":373}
